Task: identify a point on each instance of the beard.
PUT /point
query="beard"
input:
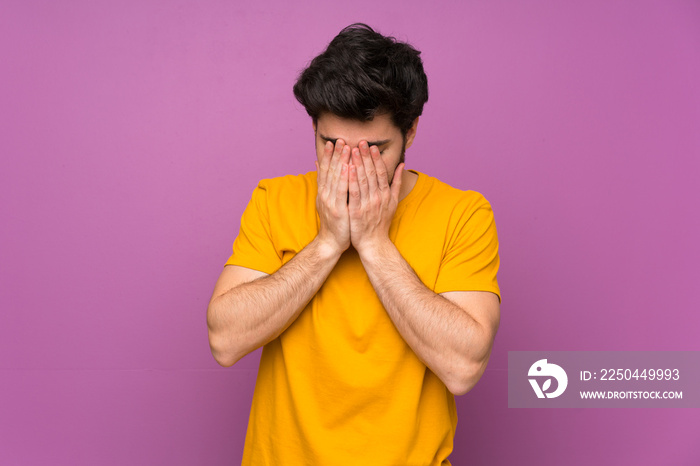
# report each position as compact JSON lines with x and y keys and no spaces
{"x":402,"y":159}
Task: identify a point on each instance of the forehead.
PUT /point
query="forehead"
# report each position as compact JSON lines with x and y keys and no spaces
{"x":353,"y":131}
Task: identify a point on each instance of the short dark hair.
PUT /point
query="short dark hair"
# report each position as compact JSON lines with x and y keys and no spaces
{"x":362,"y":74}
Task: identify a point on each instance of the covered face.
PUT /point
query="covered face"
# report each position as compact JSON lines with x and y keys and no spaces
{"x":379,"y":131}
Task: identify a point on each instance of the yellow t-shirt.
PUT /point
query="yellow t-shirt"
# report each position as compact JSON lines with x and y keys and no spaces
{"x":340,"y":386}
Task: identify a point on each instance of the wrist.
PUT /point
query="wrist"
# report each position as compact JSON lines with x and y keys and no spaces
{"x":328,"y":248}
{"x":374,"y":249}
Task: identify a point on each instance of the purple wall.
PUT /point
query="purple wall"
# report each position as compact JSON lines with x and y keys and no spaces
{"x":133,"y":133}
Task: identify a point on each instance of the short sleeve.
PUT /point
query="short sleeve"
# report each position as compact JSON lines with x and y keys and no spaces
{"x":253,"y":247}
{"x":470,"y":261}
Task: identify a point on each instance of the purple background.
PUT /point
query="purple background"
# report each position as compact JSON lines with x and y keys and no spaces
{"x":133,"y":133}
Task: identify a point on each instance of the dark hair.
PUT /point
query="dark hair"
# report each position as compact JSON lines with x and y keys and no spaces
{"x":362,"y":74}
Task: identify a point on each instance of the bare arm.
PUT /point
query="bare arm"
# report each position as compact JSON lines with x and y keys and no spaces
{"x":250,"y":308}
{"x":452,"y":333}
{"x":251,"y":314}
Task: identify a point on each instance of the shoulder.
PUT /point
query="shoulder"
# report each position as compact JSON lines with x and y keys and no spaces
{"x":452,"y":198}
{"x":289,"y":186}
{"x":289,"y":181}
{"x":288,"y":201}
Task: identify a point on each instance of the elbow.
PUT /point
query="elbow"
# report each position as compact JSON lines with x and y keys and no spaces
{"x":220,"y":343}
{"x":222,"y":355}
{"x":463,"y":385}
{"x":224,"y":361}
{"x":472,"y":368}
{"x":467,"y":378}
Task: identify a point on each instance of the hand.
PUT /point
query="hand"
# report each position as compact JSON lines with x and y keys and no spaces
{"x":372,"y":200}
{"x":332,"y":197}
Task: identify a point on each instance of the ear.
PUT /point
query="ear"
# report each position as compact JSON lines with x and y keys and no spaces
{"x":411,"y":133}
{"x":313,"y":123}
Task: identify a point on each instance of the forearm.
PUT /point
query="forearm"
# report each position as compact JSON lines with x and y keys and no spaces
{"x":444,"y":337}
{"x":254,"y":313}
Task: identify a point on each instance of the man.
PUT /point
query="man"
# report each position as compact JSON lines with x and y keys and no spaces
{"x":372,"y":288}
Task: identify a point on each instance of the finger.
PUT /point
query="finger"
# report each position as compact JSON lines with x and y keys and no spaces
{"x":333,"y":170}
{"x":354,"y":189}
{"x":345,"y":159}
{"x":345,"y":155}
{"x":325,"y":163}
{"x":337,"y":173}
{"x":319,"y":186}
{"x":341,"y":195}
{"x":362,"y":183}
{"x":396,"y":182}
{"x":382,"y":175}
{"x":335,"y":158}
{"x":370,"y":169}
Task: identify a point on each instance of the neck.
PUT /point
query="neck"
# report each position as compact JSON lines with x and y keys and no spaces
{"x":408,"y":181}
